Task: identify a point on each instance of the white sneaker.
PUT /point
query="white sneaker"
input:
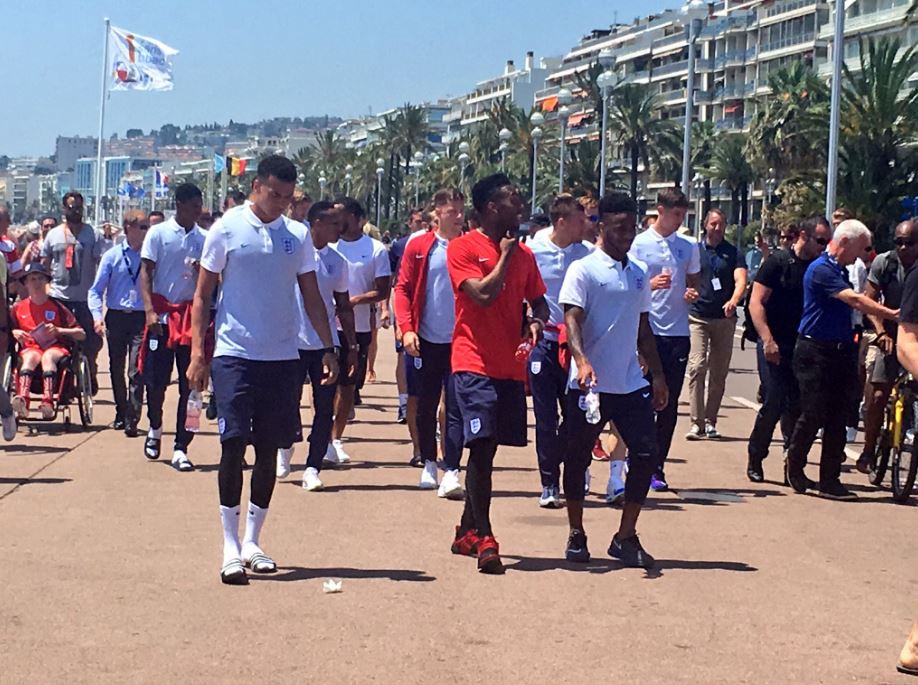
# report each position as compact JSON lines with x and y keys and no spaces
{"x":9,"y":427}
{"x":311,"y":480}
{"x":284,"y":454}
{"x":450,"y":487}
{"x":181,"y":461}
{"x":551,"y":498}
{"x":335,"y":454}
{"x":429,"y":476}
{"x":615,"y":490}
{"x":586,"y":482}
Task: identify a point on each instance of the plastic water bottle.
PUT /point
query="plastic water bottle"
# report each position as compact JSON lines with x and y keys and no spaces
{"x":591,"y":400}
{"x":522,"y":352}
{"x":193,"y":411}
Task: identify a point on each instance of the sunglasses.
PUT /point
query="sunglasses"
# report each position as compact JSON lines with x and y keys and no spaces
{"x":904,"y":242}
{"x":821,"y":241}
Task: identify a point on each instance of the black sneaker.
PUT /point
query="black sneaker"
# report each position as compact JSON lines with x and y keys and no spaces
{"x":130,"y":430}
{"x":402,"y":414}
{"x":866,"y":462}
{"x":357,"y":399}
{"x":800,"y":483}
{"x":417,"y":461}
{"x":837,"y":491}
{"x":151,"y":448}
{"x":577,"y":547}
{"x":119,"y":424}
{"x":754,"y":470}
{"x":211,"y":412}
{"x":630,"y":552}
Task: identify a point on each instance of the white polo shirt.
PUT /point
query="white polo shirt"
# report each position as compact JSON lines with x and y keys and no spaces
{"x":553,"y":263}
{"x":367,"y":260}
{"x":256,"y":316}
{"x":613,"y":296}
{"x":669,"y":311}
{"x":332,"y":276}
{"x":172,"y":249}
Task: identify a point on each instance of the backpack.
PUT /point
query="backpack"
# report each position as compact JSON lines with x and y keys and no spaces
{"x":788,"y":259}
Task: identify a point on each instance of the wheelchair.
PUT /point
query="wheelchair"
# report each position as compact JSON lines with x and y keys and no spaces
{"x":72,"y":384}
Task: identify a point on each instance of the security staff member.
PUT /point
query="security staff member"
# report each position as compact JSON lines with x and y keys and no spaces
{"x":825,"y":360}
{"x":117,"y":282}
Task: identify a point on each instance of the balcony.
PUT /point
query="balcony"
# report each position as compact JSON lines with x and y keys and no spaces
{"x":642,"y":76}
{"x":738,"y":22}
{"x":733,"y":123}
{"x":703,"y":66}
{"x":672,"y":41}
{"x":670,"y":68}
{"x":785,"y":6}
{"x":672,"y":97}
{"x":866,"y":22}
{"x":704,"y":97}
{"x":787,"y":42}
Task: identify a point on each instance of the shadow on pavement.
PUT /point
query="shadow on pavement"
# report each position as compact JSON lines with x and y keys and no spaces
{"x":289,"y":573}
{"x":27,"y":449}
{"x":34,"y":481}
{"x":602,"y":565}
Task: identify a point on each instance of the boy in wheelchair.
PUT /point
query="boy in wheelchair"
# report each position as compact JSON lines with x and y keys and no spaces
{"x":44,"y":331}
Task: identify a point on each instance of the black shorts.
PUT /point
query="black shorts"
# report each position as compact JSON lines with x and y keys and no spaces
{"x":413,"y":374}
{"x":491,"y":408}
{"x":257,"y":400}
{"x":360,"y":373}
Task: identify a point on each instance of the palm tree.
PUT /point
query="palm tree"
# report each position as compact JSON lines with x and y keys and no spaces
{"x":730,"y":164}
{"x":789,"y":132}
{"x":634,"y":124}
{"x":879,"y":130}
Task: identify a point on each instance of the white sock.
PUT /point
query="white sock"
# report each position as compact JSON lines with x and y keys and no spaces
{"x":230,"y":518}
{"x":616,"y":468}
{"x":403,"y":399}
{"x":155,"y":433}
{"x":254,"y":520}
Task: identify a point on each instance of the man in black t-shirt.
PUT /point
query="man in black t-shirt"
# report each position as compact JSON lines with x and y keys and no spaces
{"x":712,"y":322}
{"x":775,"y":306}
{"x":885,"y":283}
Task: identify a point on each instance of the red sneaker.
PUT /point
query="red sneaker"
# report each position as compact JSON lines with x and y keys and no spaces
{"x":467,"y":544}
{"x":489,"y":556}
{"x":599,"y":454}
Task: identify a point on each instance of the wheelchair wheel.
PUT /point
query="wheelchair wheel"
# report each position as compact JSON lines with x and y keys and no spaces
{"x":84,"y":392}
{"x":6,"y":374}
{"x":904,"y":462}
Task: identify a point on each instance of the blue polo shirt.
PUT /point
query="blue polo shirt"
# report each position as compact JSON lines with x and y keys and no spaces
{"x":825,"y":317}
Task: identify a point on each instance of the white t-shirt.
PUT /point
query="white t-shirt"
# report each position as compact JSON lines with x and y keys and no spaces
{"x":553,"y":263}
{"x":256,"y":316}
{"x":173,"y":249}
{"x":669,"y":311}
{"x":332,"y":276}
{"x":857,"y":274}
{"x":367,"y":260}
{"x":613,"y":296}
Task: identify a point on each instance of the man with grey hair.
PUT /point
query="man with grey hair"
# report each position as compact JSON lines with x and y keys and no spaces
{"x":825,"y":360}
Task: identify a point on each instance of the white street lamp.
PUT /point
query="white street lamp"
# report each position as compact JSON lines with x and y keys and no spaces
{"x":380,"y":170}
{"x":504,"y":136}
{"x":348,"y":176}
{"x":698,"y":185}
{"x":692,"y":14}
{"x":564,"y":112}
{"x":605,"y":82}
{"x":416,"y":165}
{"x":838,"y":50}
{"x":322,"y":182}
{"x":537,"y":120}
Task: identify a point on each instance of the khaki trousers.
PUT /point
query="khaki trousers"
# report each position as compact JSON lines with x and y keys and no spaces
{"x":709,"y":359}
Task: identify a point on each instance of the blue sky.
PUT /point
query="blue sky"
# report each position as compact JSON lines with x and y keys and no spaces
{"x":244,"y":61}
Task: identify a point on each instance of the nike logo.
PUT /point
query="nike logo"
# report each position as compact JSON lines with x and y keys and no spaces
{"x":682,"y":359}
{"x":243,"y":245}
{"x":645,"y":395}
{"x":419,"y":256}
{"x":482,"y":259}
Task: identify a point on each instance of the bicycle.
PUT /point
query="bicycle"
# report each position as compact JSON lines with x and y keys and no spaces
{"x":896,"y":443}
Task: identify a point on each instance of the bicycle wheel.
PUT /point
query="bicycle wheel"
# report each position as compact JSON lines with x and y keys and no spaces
{"x":84,"y":392}
{"x":881,"y":463}
{"x":904,"y":462}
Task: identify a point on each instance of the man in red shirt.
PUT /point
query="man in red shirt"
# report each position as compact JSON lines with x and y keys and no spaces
{"x":494,"y":278}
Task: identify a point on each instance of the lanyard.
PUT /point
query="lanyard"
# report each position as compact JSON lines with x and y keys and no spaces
{"x":127,"y":265}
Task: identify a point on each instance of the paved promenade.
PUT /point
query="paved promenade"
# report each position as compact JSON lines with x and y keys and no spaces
{"x":110,"y":571}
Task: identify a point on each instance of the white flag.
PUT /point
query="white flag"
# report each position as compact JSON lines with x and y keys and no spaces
{"x":138,"y":62}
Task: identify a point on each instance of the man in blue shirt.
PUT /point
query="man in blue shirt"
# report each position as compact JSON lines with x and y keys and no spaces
{"x":825,"y":360}
{"x":117,"y":282}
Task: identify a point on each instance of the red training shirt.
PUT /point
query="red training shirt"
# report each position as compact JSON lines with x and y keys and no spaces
{"x":26,"y":316}
{"x":485,"y":338}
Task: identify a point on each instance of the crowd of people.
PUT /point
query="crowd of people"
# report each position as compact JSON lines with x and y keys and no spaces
{"x":599,"y":323}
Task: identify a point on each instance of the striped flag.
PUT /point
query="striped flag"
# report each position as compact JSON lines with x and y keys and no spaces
{"x":236,"y":166}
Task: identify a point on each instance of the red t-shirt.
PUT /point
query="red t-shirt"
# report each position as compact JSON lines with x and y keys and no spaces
{"x":27,"y":316}
{"x":485,"y":338}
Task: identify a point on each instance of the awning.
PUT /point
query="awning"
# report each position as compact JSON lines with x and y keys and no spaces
{"x":550,"y":104}
{"x":579,"y":118}
{"x":730,"y":109}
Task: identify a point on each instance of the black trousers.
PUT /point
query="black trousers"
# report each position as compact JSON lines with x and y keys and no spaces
{"x":827,"y":376}
{"x":124,"y":332}
{"x":674,"y":352}
{"x":157,"y":373}
{"x":435,"y":377}
{"x":93,"y":343}
{"x":780,"y":401}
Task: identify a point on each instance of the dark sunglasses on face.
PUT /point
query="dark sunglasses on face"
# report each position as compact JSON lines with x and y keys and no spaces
{"x":904,"y":242}
{"x":821,"y":241}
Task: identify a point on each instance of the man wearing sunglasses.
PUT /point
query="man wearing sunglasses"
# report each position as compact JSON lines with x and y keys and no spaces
{"x":117,"y":285}
{"x":775,"y":307}
{"x":885,"y":284}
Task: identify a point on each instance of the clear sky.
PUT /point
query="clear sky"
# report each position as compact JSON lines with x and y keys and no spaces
{"x":249,"y":60}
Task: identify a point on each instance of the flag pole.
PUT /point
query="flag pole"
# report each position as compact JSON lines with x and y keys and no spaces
{"x":100,"y":172}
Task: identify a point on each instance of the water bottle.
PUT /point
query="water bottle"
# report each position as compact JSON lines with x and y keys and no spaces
{"x":522,"y":352}
{"x":592,"y":406}
{"x":193,"y":411}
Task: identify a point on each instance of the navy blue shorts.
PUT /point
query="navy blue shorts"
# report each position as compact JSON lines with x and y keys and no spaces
{"x":257,"y":400}
{"x":363,"y":350}
{"x":491,"y":408}
{"x":413,"y":374}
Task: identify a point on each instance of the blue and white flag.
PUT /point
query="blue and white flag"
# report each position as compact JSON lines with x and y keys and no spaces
{"x":138,"y":62}
{"x":219,"y":164}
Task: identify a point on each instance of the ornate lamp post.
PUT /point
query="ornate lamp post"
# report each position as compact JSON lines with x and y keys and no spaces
{"x":564,"y":112}
{"x":537,"y":120}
